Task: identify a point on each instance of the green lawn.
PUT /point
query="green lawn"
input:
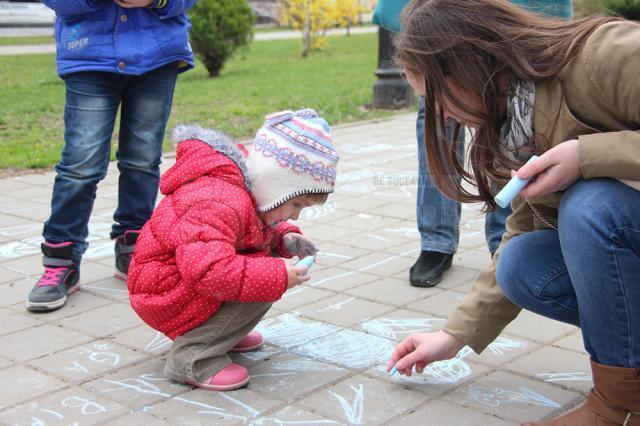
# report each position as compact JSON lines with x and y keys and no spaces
{"x":269,"y":76}
{"x":15,"y":41}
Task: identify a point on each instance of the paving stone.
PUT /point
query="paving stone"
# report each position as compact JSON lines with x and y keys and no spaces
{"x":145,"y":339}
{"x":16,"y":292}
{"x":475,"y":259}
{"x":381,"y":264}
{"x":440,"y":304}
{"x":399,"y":324}
{"x":375,"y":241}
{"x":85,"y":362}
{"x":111,"y":288}
{"x":250,"y":359}
{"x":573,"y":342}
{"x":13,"y":321}
{"x":71,"y":406}
{"x":35,"y":342}
{"x":348,"y":348}
{"x":301,"y":295}
{"x":202,"y":407}
{"x":4,"y":362}
{"x":289,"y":330}
{"x":143,"y":417}
{"x":367,"y":221}
{"x":93,"y":271}
{"x":294,"y":415}
{"x":445,"y":413}
{"x":137,"y":386}
{"x":80,"y":301}
{"x":504,"y":349}
{"x":327,"y":232}
{"x":20,"y":383}
{"x":104,"y":321}
{"x":392,"y":291}
{"x":513,"y":397}
{"x":536,"y":327}
{"x":335,"y":254}
{"x":27,"y":265}
{"x":437,"y":378}
{"x":554,"y":365}
{"x":343,"y":310}
{"x":288,"y":376}
{"x":338,"y":279}
{"x":361,"y":400}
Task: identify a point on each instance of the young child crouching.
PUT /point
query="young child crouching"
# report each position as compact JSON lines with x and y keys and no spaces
{"x":203,"y":271}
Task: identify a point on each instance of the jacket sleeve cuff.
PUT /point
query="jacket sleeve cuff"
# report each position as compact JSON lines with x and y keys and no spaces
{"x":282,"y":230}
{"x":158,"y":4}
{"x":611,"y":154}
{"x":483,"y":314}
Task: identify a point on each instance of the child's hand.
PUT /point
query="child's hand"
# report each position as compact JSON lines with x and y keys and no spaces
{"x":554,"y":171}
{"x":421,"y":349}
{"x":296,"y":275}
{"x":130,"y":4}
{"x":299,"y":246}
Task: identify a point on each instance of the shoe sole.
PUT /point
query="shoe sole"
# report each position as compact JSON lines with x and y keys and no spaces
{"x":219,"y":387}
{"x":51,"y":306}
{"x":433,"y":282}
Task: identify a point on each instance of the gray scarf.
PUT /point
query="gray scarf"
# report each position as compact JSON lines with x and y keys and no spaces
{"x":516,"y":133}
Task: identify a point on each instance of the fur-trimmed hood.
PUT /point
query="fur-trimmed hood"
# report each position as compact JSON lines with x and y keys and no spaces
{"x":201,"y":152}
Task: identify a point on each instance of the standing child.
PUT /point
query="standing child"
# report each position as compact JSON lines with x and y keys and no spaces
{"x":111,"y":54}
{"x":204,"y":271}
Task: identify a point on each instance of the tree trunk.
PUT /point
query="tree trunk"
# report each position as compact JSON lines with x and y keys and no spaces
{"x":306,"y":34}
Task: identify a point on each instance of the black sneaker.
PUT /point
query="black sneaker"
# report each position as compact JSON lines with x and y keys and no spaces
{"x":124,"y":250}
{"x":60,"y":278}
{"x":428,"y":269}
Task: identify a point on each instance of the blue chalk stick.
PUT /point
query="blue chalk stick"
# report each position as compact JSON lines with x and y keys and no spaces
{"x":307,"y":261}
{"x":512,"y":188}
{"x":393,"y":370}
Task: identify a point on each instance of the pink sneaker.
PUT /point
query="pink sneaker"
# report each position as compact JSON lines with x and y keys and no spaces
{"x":233,"y":376}
{"x":251,"y":342}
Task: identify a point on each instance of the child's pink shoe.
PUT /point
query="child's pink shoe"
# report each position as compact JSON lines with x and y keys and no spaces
{"x":233,"y":376}
{"x":251,"y":342}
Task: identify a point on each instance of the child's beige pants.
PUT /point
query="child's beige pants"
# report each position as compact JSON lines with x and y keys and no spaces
{"x":202,"y":352}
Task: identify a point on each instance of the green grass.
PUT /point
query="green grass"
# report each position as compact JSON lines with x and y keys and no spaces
{"x":269,"y":76}
{"x":16,"y":41}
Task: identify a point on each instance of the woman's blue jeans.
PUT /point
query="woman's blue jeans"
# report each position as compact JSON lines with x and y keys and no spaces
{"x":92,"y":102}
{"x":439,"y":216}
{"x":588,"y":272}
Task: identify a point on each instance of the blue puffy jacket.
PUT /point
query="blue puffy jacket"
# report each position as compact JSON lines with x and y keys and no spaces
{"x":99,"y":35}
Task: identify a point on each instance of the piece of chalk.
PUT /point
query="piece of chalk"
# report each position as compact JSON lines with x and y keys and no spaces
{"x":512,"y":188}
{"x":393,"y":370}
{"x":307,"y":261}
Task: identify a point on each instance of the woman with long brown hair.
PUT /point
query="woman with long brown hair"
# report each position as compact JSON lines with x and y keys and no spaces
{"x":568,"y":92}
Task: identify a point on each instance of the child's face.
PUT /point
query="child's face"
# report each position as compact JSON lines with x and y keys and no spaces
{"x":289,"y":210}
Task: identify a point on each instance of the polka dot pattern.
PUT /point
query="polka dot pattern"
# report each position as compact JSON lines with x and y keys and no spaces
{"x":204,"y":245}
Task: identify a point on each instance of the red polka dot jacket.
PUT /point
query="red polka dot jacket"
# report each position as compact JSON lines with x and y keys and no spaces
{"x":204,"y":244}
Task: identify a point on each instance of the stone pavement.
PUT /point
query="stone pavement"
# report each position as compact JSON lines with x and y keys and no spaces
{"x":95,"y":362}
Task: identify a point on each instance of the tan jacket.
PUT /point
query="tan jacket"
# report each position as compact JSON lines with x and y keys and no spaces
{"x":595,"y":99}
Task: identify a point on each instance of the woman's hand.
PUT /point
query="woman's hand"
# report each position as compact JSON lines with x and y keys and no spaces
{"x":554,"y":171}
{"x":421,"y":349}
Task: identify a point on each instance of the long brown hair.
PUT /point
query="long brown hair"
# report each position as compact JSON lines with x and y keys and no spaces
{"x":480,"y":45}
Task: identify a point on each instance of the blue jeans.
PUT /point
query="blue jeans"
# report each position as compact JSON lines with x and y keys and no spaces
{"x":92,"y":101}
{"x":588,"y":272}
{"x":439,"y":216}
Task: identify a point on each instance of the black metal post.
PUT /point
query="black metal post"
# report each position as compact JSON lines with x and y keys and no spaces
{"x":391,"y":90}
